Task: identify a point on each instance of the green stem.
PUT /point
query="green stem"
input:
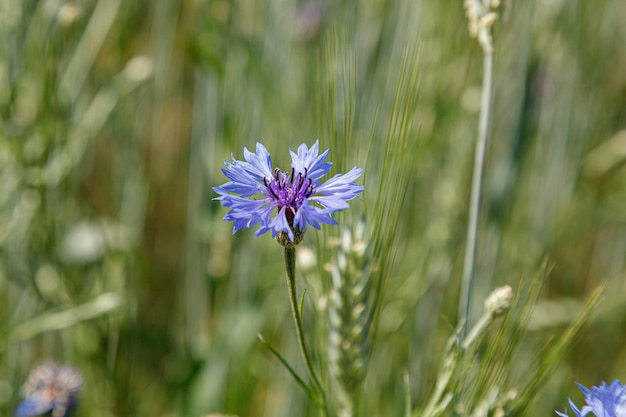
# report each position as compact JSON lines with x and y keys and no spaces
{"x":467,"y":279}
{"x":478,"y":328}
{"x":290,"y":265}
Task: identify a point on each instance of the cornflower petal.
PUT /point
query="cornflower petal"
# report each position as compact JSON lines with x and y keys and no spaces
{"x":259,"y":164}
{"x":308,"y":160}
{"x":33,"y":407}
{"x":313,"y":216}
{"x":247,"y":177}
{"x":601,"y":401}
{"x":245,"y":213}
{"x":279,"y":224}
{"x":338,"y":190}
{"x":241,"y":182}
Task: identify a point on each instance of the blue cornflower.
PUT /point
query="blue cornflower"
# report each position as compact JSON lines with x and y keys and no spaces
{"x":287,"y":200}
{"x":50,"y":388}
{"x":603,"y":401}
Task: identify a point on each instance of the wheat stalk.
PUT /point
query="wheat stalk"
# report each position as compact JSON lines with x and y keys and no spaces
{"x":348,"y":312}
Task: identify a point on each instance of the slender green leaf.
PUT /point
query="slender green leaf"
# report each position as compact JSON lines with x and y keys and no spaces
{"x":310,"y":392}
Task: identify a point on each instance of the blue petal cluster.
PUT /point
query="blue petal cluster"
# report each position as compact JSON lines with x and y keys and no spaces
{"x":285,"y":201}
{"x":603,"y":401}
{"x":50,"y":388}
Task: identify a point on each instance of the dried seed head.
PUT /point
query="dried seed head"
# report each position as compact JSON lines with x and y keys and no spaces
{"x":499,"y":301}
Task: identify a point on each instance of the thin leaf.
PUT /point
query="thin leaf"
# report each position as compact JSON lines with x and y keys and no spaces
{"x":407,"y":395}
{"x":556,"y":353}
{"x":301,"y":306}
{"x":310,"y":392}
{"x":66,"y":318}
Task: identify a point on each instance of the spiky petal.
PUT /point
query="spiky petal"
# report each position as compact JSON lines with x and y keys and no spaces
{"x":601,"y":401}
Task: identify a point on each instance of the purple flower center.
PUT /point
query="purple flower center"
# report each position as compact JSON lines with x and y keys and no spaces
{"x":288,"y":190}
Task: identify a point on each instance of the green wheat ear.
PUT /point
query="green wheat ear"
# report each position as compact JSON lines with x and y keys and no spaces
{"x":349,"y":313}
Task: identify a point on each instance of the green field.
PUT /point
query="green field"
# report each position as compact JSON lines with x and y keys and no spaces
{"x":116,"y":117}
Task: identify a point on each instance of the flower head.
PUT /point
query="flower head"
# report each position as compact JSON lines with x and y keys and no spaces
{"x":287,"y":200}
{"x":50,"y":388}
{"x":603,"y":401}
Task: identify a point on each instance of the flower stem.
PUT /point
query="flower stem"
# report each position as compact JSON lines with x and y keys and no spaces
{"x":290,"y":265}
{"x":474,"y":209}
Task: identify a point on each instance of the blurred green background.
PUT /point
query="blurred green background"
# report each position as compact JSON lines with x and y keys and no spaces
{"x":116,"y":117}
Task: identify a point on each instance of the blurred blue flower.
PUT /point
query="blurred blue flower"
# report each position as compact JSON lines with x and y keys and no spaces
{"x":603,"y":401}
{"x":50,"y":388}
{"x":288,"y":200}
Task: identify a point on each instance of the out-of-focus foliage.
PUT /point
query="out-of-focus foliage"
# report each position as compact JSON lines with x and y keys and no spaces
{"x":115,"y":119}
